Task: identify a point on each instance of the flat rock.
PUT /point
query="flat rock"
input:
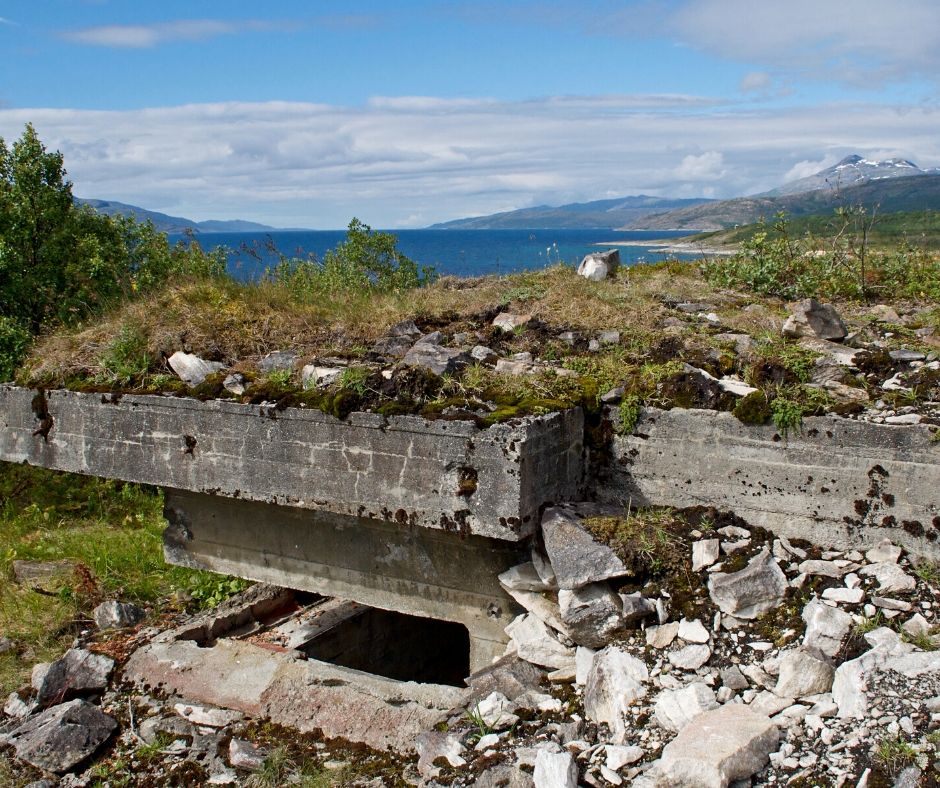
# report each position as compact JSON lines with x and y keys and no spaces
{"x":191,"y":369}
{"x":848,"y":596}
{"x":826,"y":627}
{"x":677,"y":708}
{"x":619,"y":755}
{"x":437,"y":359}
{"x":576,"y":558}
{"x":78,"y":672}
{"x":690,"y":657}
{"x":63,"y":736}
{"x":692,"y":631}
{"x":810,"y":318}
{"x":592,"y":614}
{"x":757,"y":588}
{"x":432,"y":745}
{"x":891,"y":578}
{"x":856,"y":679}
{"x":207,"y":716}
{"x":117,"y":615}
{"x":704,"y":553}
{"x":536,"y":644}
{"x":542,"y":606}
{"x":278,"y":361}
{"x":615,"y":681}
{"x":242,"y":754}
{"x":509,"y":322}
{"x":663,"y":635}
{"x":46,"y":575}
{"x":802,"y":673}
{"x":523,"y":577}
{"x":734,"y":679}
{"x":823,"y":568}
{"x":718,"y":747}
{"x":315,"y":376}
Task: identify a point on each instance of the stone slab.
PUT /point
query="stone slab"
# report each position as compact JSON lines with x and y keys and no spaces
{"x":448,"y":475}
{"x":836,"y":482}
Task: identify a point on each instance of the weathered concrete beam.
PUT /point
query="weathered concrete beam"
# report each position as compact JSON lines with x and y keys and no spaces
{"x":433,"y":574}
{"x":447,"y":475}
{"x":836,"y":481}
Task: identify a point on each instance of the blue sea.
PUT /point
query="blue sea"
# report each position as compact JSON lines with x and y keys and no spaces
{"x":459,"y":252}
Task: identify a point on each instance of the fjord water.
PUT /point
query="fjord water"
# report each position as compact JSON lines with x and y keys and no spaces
{"x":458,"y":252}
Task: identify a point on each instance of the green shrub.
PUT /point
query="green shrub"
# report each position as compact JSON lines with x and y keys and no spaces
{"x":14,"y":341}
{"x":127,"y":356}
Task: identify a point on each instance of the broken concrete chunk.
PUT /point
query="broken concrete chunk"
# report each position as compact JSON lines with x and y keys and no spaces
{"x":802,"y":673}
{"x":826,"y":627}
{"x":78,"y":672}
{"x":191,"y":369}
{"x":535,"y":643}
{"x":117,"y":615}
{"x":615,"y":681}
{"x":757,"y":588}
{"x":555,"y":770}
{"x":592,"y":614}
{"x":62,"y":737}
{"x":718,"y":747}
{"x":810,"y":318}
{"x":576,"y":558}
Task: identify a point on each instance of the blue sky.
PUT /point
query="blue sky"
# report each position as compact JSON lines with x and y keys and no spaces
{"x":405,"y":113}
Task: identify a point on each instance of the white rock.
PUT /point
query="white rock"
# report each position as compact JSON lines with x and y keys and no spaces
{"x":891,"y":578}
{"x":823,"y":568}
{"x":916,"y":626}
{"x":555,"y":770}
{"x":243,"y":754}
{"x":735,"y":386}
{"x":592,"y":614}
{"x":509,"y":322}
{"x":718,"y":747}
{"x":615,"y":681}
{"x":191,"y":369}
{"x":690,"y":657}
{"x":312,"y":375}
{"x":848,"y":596}
{"x":542,"y":606}
{"x":704,"y":553}
{"x":663,"y":635}
{"x":496,"y":711}
{"x":692,"y":631}
{"x":611,"y":776}
{"x":207,"y":716}
{"x":803,"y":674}
{"x":891,"y":604}
{"x":759,"y":587}
{"x":583,"y":658}
{"x":855,"y":678}
{"x":619,"y":755}
{"x":490,"y":740}
{"x":599,"y":265}
{"x":677,"y":708}
{"x":523,"y":577}
{"x":885,"y":552}
{"x":535,"y":643}
{"x":826,"y":627}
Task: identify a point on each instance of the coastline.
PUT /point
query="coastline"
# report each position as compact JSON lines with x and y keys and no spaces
{"x":677,"y":247}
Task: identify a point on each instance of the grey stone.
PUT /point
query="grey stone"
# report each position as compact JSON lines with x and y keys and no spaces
{"x":78,"y":672}
{"x":509,"y":322}
{"x":278,"y":361}
{"x":535,"y":643}
{"x":484,"y":355}
{"x":847,"y":596}
{"x":191,"y":369}
{"x":906,"y":356}
{"x":433,"y":338}
{"x":117,"y":615}
{"x":690,"y":657}
{"x":692,"y":631}
{"x":734,"y":679}
{"x":6,"y":645}
{"x":243,"y":754}
{"x":636,"y":607}
{"x":523,"y":577}
{"x":555,"y":770}
{"x":704,"y":553}
{"x":406,"y":328}
{"x":857,"y":679}
{"x":609,"y":338}
{"x":592,"y":614}
{"x":757,"y":588}
{"x":576,"y":558}
{"x":891,"y":604}
{"x":823,"y":568}
{"x":810,"y":318}
{"x":509,"y":675}
{"x":618,"y":755}
{"x":916,"y":626}
{"x":46,"y":575}
{"x":543,"y":568}
{"x":508,"y":367}
{"x":542,"y":606}
{"x":17,"y":708}
{"x":717,"y":747}
{"x":392,"y":347}
{"x":313,"y":376}
{"x":694,"y":307}
{"x":504,"y":776}
{"x":826,"y":627}
{"x":663,"y":635}
{"x":891,"y":578}
{"x":676,"y":708}
{"x":62,"y":737}
{"x":802,"y":673}
{"x":437,"y":359}
{"x":236,"y":383}
{"x":615,"y":681}
{"x":597,"y":266}
{"x":432,"y":745}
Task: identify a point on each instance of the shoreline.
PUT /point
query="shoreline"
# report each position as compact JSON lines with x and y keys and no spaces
{"x":676,"y":247}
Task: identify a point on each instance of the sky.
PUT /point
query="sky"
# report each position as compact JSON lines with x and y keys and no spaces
{"x":408,"y":112}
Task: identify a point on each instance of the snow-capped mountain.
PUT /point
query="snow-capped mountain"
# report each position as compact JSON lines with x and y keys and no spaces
{"x":851,"y":171}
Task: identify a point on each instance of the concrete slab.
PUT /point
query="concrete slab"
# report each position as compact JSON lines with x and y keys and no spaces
{"x":836,"y":482}
{"x":446,"y":475}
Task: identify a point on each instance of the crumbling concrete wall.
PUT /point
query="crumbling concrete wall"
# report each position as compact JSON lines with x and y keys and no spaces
{"x":449,"y":475}
{"x":836,"y":481}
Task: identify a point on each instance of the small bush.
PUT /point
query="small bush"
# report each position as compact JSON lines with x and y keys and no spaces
{"x":14,"y":341}
{"x":127,"y":357}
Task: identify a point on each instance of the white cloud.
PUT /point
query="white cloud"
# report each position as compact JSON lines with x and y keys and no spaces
{"x":146,"y":36}
{"x":756,"y":82}
{"x":400,"y":161}
{"x":807,"y":167}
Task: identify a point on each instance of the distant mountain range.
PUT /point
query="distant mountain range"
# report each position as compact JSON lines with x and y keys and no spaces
{"x":174,"y":224}
{"x":598,"y":213}
{"x":891,"y":185}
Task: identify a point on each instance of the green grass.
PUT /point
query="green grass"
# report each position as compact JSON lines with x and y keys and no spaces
{"x":109,"y":530}
{"x":895,"y":754}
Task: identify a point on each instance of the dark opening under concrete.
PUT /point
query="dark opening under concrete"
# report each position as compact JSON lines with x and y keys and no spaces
{"x":397,"y":646}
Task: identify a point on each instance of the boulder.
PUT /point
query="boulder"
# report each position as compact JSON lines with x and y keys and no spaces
{"x":810,"y":318}
{"x":677,"y":708}
{"x":576,"y":558}
{"x":555,"y":770}
{"x":803,"y":673}
{"x":592,"y":614}
{"x":191,"y":369}
{"x":615,"y":681}
{"x":437,"y":359}
{"x":117,"y":615}
{"x":535,"y":643}
{"x":718,"y":747}
{"x":826,"y":627}
{"x":63,"y":736}
{"x":597,"y":266}
{"x":757,"y":588}
{"x":78,"y":672}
